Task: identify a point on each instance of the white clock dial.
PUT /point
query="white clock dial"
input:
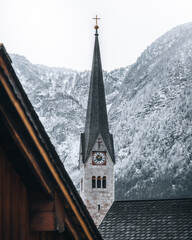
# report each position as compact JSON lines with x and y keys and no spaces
{"x":98,"y":158}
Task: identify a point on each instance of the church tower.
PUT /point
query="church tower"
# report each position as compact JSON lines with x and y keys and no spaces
{"x":97,"y":159}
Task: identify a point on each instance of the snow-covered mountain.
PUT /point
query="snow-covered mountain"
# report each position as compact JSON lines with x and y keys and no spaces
{"x":150,"y":115}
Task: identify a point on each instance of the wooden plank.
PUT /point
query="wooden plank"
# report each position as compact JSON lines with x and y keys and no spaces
{"x":12,"y":203}
{"x":52,"y":235}
{"x":49,"y":236}
{"x":59,"y":214}
{"x":15,"y":197}
{"x":43,"y":235}
{"x":1,"y":216}
{"x":1,"y":169}
{"x":22,"y":212}
{"x":42,"y":217}
{"x":27,"y":224}
{"x":61,"y":236}
{"x":6,"y":203}
{"x":33,"y":236}
{"x":40,"y":203}
{"x":42,"y":221}
{"x":2,"y":164}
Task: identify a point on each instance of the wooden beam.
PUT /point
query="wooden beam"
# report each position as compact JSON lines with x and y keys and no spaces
{"x":42,"y":221}
{"x":28,"y":154}
{"x":39,"y":202}
{"x":59,"y":214}
{"x":42,"y":212}
{"x":72,"y":228}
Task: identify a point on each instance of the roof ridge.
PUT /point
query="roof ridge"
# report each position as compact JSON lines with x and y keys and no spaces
{"x":156,"y":200}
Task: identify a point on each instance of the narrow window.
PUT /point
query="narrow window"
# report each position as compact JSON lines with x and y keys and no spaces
{"x":99,"y":207}
{"x":81,"y":184}
{"x":104,"y":182}
{"x":99,"y":182}
{"x":93,"y":182}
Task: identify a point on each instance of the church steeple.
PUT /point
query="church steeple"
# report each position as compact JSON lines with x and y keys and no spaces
{"x":96,"y":159}
{"x":96,"y":118}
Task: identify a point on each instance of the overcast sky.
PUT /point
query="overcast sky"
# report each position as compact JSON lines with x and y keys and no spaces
{"x":60,"y":33}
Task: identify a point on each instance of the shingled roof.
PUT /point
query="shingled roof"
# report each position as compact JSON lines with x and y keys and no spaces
{"x":96,"y":118}
{"x":148,"y":219}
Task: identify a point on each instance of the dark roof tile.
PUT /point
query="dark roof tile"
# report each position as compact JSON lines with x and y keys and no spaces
{"x":148,"y":219}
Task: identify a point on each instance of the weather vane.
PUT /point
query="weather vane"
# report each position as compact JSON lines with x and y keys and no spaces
{"x":96,"y":18}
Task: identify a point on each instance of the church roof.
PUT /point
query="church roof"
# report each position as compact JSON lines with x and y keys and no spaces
{"x":148,"y":219}
{"x":96,"y":118}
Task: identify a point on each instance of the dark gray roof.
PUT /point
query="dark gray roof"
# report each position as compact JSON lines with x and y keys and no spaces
{"x":96,"y":118}
{"x":148,"y":219}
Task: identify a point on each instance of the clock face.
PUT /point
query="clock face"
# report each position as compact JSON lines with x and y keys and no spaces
{"x":98,"y":158}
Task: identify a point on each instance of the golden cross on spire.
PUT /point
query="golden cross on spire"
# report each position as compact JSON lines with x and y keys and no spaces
{"x":96,"y":18}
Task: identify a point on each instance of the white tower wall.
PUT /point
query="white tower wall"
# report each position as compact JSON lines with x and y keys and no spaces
{"x":97,"y":200}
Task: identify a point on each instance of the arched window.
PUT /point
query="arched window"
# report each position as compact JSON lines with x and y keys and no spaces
{"x":104,"y":182}
{"x":93,"y":182}
{"x":99,"y":182}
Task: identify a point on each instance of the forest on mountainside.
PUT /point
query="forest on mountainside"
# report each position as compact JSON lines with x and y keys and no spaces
{"x":149,"y":111}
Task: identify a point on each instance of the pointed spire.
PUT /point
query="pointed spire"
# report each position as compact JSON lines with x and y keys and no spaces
{"x":96,"y":118}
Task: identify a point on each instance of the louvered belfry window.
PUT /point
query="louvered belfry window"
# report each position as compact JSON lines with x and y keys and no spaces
{"x":93,"y":182}
{"x":99,"y":182}
{"x":104,"y":182}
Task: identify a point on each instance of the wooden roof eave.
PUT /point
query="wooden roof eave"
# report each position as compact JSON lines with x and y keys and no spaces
{"x":43,"y":143}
